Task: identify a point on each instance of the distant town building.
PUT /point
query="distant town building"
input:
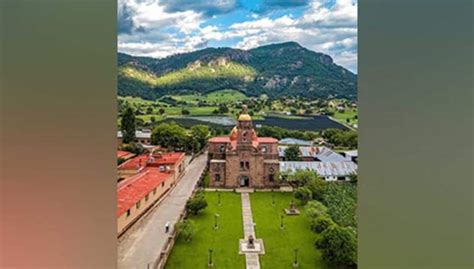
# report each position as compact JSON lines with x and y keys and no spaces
{"x":330,"y":171}
{"x":351,"y":155}
{"x":317,"y":154}
{"x":242,"y":159}
{"x":143,"y":137}
{"x":294,"y":141}
{"x":139,"y":193}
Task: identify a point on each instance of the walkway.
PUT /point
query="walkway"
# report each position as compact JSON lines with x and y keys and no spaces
{"x":251,"y":259}
{"x":141,"y":245}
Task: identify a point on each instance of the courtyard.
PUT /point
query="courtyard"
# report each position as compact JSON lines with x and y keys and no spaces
{"x":280,"y":244}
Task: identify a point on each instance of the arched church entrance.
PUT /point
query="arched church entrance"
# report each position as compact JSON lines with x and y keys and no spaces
{"x":244,"y":181}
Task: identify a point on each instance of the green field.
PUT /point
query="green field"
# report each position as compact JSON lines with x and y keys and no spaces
{"x":349,"y":113}
{"x":222,"y":96}
{"x":224,"y":241}
{"x":280,"y":244}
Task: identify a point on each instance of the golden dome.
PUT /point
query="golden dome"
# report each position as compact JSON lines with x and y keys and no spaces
{"x":245,"y":117}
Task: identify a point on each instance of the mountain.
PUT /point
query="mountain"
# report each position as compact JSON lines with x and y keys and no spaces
{"x":285,"y":69}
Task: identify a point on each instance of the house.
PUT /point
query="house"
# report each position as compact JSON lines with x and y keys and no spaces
{"x":139,"y":193}
{"x":165,"y":162}
{"x":294,"y":141}
{"x":351,"y":155}
{"x":124,"y":155}
{"x":141,"y":136}
{"x":318,"y":154}
{"x":329,"y":171}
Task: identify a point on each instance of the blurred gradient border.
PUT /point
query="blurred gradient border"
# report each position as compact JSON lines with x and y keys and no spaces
{"x":58,"y":127}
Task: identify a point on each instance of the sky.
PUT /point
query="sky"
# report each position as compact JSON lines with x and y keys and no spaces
{"x":159,"y":28}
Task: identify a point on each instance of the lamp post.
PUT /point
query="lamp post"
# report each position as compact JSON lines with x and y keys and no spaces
{"x":282,"y":226}
{"x":219,"y":198}
{"x":216,"y":216}
{"x":273,"y":198}
{"x":295,"y":263}
{"x":210,"y":264}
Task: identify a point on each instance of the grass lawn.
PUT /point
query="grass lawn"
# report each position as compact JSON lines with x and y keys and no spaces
{"x":193,"y":110}
{"x":348,"y":114}
{"x":223,"y":241}
{"x":280,"y":244}
{"x":222,"y":96}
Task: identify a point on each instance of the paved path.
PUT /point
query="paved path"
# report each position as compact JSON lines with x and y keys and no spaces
{"x":251,"y":259}
{"x":142,"y":245}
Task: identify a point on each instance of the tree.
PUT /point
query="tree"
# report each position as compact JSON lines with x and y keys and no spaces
{"x":292,"y":153}
{"x":185,"y":112}
{"x":317,"y":187}
{"x":128,"y":125}
{"x":315,"y":209}
{"x":196,"y":203}
{"x":169,"y":135}
{"x":199,"y":135}
{"x":161,"y":111}
{"x":303,"y":194}
{"x":321,"y":223}
{"x":186,"y":229}
{"x":338,"y":245}
{"x":301,"y":178}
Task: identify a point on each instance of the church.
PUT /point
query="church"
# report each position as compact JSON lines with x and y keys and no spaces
{"x":243,"y":159}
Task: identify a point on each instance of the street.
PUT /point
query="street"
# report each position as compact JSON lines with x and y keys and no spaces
{"x":142,"y":244}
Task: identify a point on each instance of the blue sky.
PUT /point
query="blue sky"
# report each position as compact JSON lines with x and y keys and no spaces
{"x":159,"y":28}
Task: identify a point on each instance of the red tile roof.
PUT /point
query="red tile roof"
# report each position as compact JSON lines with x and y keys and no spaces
{"x":220,"y":139}
{"x":123,"y":154}
{"x":134,"y":163}
{"x":267,"y":140}
{"x":136,"y":187}
{"x":145,"y":160}
{"x":166,"y":158}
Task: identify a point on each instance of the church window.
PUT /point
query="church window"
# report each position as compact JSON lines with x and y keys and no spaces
{"x":128,"y":213}
{"x":217,"y":177}
{"x":247,"y":165}
{"x":138,"y":204}
{"x":271,"y":177}
{"x":242,"y":167}
{"x":222,"y":148}
{"x":264,"y":149}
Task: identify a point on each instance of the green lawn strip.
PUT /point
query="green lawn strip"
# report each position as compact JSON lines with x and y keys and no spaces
{"x":280,"y":244}
{"x":224,"y":241}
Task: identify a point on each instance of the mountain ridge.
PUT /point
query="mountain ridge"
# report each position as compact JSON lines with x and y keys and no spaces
{"x":281,"y":69}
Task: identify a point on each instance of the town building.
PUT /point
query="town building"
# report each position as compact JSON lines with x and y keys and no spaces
{"x":317,"y":154}
{"x":164,"y":162}
{"x":141,"y":136}
{"x":243,"y":159}
{"x":294,"y":141}
{"x":124,"y":155}
{"x":137,"y":194}
{"x":329,"y":171}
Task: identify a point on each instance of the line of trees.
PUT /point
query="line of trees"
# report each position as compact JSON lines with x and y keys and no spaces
{"x":173,"y":136}
{"x":331,"y":209}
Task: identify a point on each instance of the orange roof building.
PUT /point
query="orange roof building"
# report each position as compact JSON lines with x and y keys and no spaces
{"x":138,"y":193}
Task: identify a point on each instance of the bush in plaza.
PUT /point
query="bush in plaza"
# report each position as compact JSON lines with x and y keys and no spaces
{"x":316,"y":209}
{"x":196,"y":203}
{"x":303,"y":194}
{"x":321,"y":223}
{"x":186,"y":229}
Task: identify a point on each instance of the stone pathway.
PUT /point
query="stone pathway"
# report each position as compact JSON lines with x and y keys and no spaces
{"x":251,"y":259}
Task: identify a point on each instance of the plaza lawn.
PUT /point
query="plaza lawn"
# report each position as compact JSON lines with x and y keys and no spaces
{"x":224,"y":241}
{"x":280,"y":244}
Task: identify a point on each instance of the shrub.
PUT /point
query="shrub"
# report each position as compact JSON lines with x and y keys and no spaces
{"x":185,"y":229}
{"x":316,"y":209}
{"x":321,"y":223}
{"x":196,"y":203}
{"x":303,"y":194}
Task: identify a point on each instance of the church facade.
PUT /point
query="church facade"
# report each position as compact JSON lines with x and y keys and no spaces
{"x":243,"y":159}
